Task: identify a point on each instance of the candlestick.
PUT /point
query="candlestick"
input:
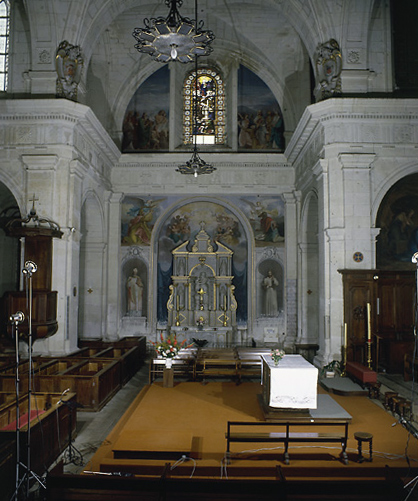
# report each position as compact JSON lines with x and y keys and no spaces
{"x":345,"y":335}
{"x":369,"y":323}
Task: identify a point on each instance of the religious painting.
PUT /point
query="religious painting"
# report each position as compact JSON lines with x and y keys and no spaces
{"x":145,"y":124}
{"x":266,"y":216}
{"x":138,"y":219}
{"x":260,"y":120}
{"x":397,"y":219}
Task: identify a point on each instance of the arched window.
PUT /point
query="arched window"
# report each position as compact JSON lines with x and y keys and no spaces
{"x":207,"y":94}
{"x":4,"y":42}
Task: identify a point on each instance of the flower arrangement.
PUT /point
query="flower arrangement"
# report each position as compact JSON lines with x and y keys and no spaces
{"x":169,"y":347}
{"x":200,"y":322}
{"x":277,"y":354}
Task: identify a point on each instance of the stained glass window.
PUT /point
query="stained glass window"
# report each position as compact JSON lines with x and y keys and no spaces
{"x":204,"y":108}
{"x":4,"y":42}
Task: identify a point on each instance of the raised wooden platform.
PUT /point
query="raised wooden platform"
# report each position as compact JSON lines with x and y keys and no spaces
{"x":190,"y":420}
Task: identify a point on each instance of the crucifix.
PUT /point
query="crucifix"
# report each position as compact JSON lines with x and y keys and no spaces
{"x":33,"y":200}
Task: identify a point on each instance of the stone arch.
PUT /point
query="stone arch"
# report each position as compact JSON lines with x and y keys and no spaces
{"x":389,"y":180}
{"x":308,"y":325}
{"x":9,"y":246}
{"x":156,"y":250}
{"x":92,"y":286}
{"x":397,"y":219}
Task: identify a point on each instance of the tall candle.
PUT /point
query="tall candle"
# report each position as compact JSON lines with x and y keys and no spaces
{"x":369,"y":323}
{"x":345,"y":335}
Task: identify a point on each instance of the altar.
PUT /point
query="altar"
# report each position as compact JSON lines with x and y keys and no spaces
{"x":202,"y":293}
{"x":292,"y":384}
{"x":216,"y":337}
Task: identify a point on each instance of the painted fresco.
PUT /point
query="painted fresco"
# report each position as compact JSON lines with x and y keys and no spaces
{"x":265,"y":216}
{"x":398,"y":222}
{"x":260,"y":120}
{"x":138,"y":219}
{"x":145,"y":125}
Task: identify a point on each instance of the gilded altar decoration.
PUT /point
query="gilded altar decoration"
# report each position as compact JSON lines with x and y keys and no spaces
{"x":68,"y":64}
{"x":202,"y":288}
{"x":328,"y":68}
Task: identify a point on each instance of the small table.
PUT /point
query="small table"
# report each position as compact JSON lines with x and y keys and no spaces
{"x":168,"y":377}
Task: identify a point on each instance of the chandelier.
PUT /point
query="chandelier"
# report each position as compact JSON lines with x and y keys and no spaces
{"x":174,"y":38}
{"x":195,"y":165}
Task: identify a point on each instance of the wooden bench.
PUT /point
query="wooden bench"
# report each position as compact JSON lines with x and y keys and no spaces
{"x":286,"y":436}
{"x":367,"y":378}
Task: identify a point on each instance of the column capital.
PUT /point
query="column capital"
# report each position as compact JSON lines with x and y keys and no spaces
{"x":356,"y":160}
{"x":40,"y":162}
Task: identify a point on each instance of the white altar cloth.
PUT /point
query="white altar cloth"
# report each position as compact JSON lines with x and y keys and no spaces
{"x":292,"y":383}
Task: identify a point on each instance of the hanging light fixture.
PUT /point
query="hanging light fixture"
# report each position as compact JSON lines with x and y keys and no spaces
{"x":195,"y":165}
{"x":174,"y":38}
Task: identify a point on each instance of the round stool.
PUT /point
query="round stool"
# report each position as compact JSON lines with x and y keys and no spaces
{"x":362,"y":436}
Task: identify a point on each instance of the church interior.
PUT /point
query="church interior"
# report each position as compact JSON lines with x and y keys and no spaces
{"x":189,"y":190}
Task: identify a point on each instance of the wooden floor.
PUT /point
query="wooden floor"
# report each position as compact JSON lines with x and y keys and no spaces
{"x":177,"y":436}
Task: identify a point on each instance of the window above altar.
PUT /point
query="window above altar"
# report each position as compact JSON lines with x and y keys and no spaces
{"x":204,"y":108}
{"x":235,"y":111}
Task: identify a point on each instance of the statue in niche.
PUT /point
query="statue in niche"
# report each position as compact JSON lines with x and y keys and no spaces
{"x":270,"y":284}
{"x":182,"y":268}
{"x":135,"y":290}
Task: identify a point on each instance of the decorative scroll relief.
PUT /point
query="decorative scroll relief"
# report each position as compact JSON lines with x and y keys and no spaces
{"x":328,"y":69}
{"x":69,"y":65}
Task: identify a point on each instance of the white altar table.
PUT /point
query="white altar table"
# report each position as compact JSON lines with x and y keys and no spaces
{"x":292,"y":384}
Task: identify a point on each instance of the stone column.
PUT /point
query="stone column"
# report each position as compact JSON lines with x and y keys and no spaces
{"x":113,"y":266}
{"x":292,"y":201}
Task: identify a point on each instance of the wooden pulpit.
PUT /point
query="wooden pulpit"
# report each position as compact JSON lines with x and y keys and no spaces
{"x":37,"y":249}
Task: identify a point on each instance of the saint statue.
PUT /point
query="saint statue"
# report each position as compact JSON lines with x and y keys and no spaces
{"x":270,"y":283}
{"x":135,"y":289}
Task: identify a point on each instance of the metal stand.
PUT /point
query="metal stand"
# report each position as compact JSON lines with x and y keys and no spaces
{"x":72,"y":454}
{"x":23,"y":472}
{"x":414,"y":481}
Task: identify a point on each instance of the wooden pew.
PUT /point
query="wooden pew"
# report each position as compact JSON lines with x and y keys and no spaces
{"x":217,"y":363}
{"x":95,"y":381}
{"x":49,"y":426}
{"x":250,"y":361}
{"x":287,"y":436}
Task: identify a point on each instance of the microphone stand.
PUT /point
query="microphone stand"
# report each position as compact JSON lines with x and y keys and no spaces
{"x":28,"y":270}
{"x":407,"y":425}
{"x":17,"y":319}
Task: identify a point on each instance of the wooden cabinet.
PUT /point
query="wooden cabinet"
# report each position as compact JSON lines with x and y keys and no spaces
{"x":391,"y":295}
